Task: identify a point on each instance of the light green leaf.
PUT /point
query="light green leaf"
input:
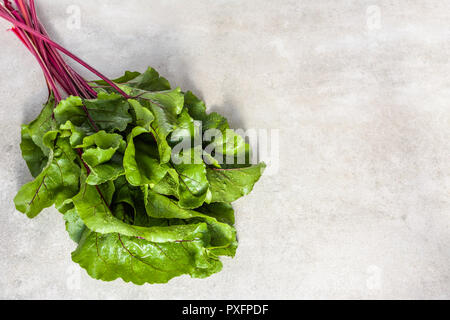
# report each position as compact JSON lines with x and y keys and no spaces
{"x":229,"y":144}
{"x":148,"y":81}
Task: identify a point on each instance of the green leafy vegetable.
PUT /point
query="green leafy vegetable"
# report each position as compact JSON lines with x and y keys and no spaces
{"x":142,"y":194}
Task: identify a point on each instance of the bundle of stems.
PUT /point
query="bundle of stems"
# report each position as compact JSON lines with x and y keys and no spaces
{"x":59,"y":75}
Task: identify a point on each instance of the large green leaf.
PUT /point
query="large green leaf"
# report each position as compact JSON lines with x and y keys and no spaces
{"x":225,"y":144}
{"x":228,"y":185}
{"x":215,"y":121}
{"x":111,"y":256}
{"x":229,"y":144}
{"x":109,"y":111}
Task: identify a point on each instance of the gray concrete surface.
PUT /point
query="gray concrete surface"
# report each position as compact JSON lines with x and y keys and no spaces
{"x":360,"y":92}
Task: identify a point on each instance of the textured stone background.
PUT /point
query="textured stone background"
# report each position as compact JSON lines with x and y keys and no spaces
{"x":360,"y":92}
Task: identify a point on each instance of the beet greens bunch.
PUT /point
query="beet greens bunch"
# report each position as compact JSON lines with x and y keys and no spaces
{"x":125,"y":161}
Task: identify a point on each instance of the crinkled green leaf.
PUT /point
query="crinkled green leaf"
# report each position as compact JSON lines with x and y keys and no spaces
{"x":100,"y":147}
{"x":128,"y":205}
{"x":165,"y":106}
{"x":75,"y":134}
{"x":141,"y":161}
{"x":103,"y":153}
{"x":110,"y":170}
{"x":134,"y":83}
{"x":109,"y":111}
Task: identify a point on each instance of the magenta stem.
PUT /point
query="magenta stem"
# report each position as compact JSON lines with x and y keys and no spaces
{"x":63,"y":50}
